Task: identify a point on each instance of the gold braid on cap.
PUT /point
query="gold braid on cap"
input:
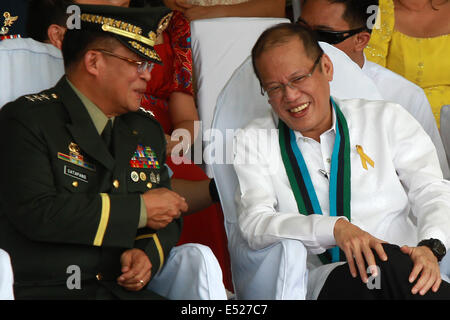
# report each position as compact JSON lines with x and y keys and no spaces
{"x":148,"y":52}
{"x":120,"y":28}
{"x":163,"y":23}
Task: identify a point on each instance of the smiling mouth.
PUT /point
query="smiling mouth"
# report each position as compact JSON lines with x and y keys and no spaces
{"x":299,"y":108}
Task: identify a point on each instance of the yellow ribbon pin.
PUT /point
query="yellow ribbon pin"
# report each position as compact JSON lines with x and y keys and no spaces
{"x":364,"y":157}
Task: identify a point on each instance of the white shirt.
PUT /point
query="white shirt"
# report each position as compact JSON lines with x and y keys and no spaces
{"x":396,"y":88}
{"x":406,"y":179}
{"x":27,"y":66}
{"x":6,"y":277}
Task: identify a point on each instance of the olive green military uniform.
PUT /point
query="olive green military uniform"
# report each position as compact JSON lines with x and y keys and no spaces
{"x":66,"y":200}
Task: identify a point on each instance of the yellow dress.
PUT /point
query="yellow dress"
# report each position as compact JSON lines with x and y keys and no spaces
{"x":424,"y":61}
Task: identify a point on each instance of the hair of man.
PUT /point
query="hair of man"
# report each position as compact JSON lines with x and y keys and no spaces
{"x":281,"y":34}
{"x":44,"y":13}
{"x":356,"y":12}
{"x":77,"y":42}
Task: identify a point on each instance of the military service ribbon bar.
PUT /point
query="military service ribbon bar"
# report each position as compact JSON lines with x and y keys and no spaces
{"x":144,"y":157}
{"x":76,"y":159}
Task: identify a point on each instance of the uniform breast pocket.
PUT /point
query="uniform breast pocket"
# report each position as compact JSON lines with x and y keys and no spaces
{"x":143,"y":179}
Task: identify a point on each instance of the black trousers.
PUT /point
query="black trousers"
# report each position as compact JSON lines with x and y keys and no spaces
{"x":391,"y":284}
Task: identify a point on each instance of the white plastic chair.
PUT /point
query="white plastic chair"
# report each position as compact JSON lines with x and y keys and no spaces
{"x":278,"y":271}
{"x":6,"y":277}
{"x":445,"y":129}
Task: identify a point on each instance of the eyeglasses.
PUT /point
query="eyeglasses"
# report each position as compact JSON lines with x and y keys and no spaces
{"x":335,"y":37}
{"x":141,"y":65}
{"x":332,"y":37}
{"x":277,"y":90}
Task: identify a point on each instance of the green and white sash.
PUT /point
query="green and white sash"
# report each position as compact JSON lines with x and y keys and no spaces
{"x":300,"y":180}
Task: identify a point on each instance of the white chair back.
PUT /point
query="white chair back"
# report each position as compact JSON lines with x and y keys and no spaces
{"x":219,"y":46}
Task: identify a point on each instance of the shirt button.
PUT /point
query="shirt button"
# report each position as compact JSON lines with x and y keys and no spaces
{"x":99,"y":276}
{"x":149,"y":185}
{"x":328,"y":160}
{"x":116,"y":184}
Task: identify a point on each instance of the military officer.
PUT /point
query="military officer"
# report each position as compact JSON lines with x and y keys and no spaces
{"x":85,"y":191}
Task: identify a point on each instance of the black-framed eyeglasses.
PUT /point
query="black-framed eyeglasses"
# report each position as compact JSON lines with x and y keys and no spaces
{"x":332,"y":37}
{"x":335,"y":37}
{"x":141,"y":65}
{"x":276,"y":90}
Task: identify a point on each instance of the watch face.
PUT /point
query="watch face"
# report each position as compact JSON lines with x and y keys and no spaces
{"x":439,"y":248}
{"x":436,"y":247}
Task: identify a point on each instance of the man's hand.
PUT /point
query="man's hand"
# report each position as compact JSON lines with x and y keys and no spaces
{"x":425,"y":263}
{"x":163,"y":205}
{"x":136,"y":269}
{"x":357,"y":246}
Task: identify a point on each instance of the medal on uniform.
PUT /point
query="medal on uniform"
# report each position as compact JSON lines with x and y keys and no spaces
{"x":144,"y":157}
{"x":143,"y":176}
{"x":75,"y":157}
{"x":134,"y":176}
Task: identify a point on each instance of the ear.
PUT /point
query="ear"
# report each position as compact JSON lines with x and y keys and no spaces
{"x":92,"y":62}
{"x":327,"y":67}
{"x":361,"y":41}
{"x":56,"y":35}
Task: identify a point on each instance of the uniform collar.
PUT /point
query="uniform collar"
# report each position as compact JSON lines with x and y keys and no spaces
{"x":97,"y":116}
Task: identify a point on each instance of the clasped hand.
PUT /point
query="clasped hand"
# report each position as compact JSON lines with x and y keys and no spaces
{"x":163,"y":205}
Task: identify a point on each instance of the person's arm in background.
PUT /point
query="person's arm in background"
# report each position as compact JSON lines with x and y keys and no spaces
{"x":252,"y":8}
{"x":183,"y":114}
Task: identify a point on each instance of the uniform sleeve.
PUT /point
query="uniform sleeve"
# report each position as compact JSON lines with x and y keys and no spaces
{"x":157,"y":244}
{"x":44,"y":212}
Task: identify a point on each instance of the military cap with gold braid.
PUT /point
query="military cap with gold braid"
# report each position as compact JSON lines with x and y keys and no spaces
{"x":136,"y":28}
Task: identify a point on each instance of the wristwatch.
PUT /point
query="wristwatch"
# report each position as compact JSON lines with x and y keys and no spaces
{"x":436,"y":246}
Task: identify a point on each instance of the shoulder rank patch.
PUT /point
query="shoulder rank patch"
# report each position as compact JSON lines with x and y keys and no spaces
{"x":41,"y":97}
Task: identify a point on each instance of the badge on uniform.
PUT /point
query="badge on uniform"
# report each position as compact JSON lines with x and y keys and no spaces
{"x":9,"y":21}
{"x":144,"y":157}
{"x":75,"y":157}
